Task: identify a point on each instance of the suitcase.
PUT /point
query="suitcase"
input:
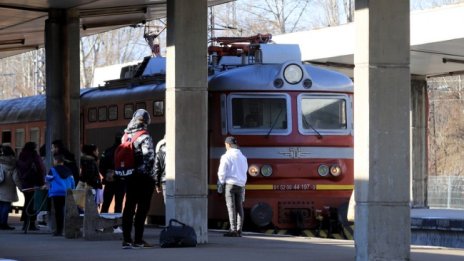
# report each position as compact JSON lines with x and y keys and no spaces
{"x":180,"y":235}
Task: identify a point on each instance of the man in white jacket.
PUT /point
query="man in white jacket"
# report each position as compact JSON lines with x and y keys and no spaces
{"x":233,"y":173}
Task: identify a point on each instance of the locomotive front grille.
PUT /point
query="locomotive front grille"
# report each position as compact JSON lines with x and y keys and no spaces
{"x":299,"y":213}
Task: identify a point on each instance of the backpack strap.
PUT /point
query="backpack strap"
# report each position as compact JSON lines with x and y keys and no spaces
{"x":137,"y":135}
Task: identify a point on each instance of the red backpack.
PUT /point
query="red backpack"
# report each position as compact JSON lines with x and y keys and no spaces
{"x":124,"y":155}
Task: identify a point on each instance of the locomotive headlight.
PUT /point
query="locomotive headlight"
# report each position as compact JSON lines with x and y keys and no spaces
{"x":323,"y":170}
{"x":253,"y":170}
{"x":266,"y":170}
{"x":335,"y":170}
{"x":293,"y":73}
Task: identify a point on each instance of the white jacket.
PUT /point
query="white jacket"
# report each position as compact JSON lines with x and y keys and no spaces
{"x":233,"y":168}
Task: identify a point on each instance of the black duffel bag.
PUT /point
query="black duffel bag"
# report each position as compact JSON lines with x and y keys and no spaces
{"x":178,"y":236}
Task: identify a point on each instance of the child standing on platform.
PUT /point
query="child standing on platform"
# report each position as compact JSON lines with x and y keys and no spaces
{"x":60,"y":179}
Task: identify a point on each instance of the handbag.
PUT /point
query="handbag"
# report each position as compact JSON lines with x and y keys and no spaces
{"x":178,"y":236}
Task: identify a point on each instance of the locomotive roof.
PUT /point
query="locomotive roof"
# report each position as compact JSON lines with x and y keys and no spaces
{"x":120,"y":95}
{"x":260,"y":77}
{"x":22,"y":109}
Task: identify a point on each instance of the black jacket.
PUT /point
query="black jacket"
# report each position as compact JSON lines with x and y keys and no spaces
{"x":160,"y":166}
{"x":89,"y":172}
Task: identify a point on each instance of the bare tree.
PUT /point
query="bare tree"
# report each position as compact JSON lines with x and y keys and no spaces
{"x":262,"y":16}
{"x":349,"y":10}
{"x":112,"y":47}
{"x":22,"y":75}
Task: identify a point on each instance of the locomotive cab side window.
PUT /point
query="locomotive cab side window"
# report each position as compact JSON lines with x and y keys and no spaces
{"x":19,"y":140}
{"x":158,"y":108}
{"x":265,"y":114}
{"x":102,"y":113}
{"x":140,"y":105}
{"x":92,"y":115}
{"x":324,"y":113}
{"x":128,"y":110}
{"x":34,"y":135}
{"x":6,"y":137}
{"x":113,"y":112}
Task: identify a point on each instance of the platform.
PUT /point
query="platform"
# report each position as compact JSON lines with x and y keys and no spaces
{"x":437,"y":227}
{"x":41,"y":245}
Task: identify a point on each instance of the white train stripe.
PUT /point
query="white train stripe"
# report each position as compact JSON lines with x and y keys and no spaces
{"x":289,"y":152}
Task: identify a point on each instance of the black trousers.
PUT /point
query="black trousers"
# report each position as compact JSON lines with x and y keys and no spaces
{"x":116,"y":188}
{"x":28,"y":212}
{"x":58,"y":205}
{"x":139,"y":190}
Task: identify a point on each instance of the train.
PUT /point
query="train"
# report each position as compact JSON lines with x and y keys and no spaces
{"x":293,"y":121}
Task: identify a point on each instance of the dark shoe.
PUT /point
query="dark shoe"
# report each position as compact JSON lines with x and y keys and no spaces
{"x":231,"y":234}
{"x":239,"y":233}
{"x":142,"y":244}
{"x":33,"y":228}
{"x":126,"y":245}
{"x":57,"y":234}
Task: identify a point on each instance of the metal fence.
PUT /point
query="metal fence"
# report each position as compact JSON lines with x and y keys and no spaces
{"x":446,"y":192}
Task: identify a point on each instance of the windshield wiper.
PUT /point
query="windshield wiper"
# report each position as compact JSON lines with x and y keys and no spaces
{"x":274,"y":122}
{"x":319,"y":136}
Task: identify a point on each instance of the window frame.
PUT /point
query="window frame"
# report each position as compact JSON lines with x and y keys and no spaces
{"x":279,"y":132}
{"x":112,"y":106}
{"x":105,"y":113}
{"x":132,"y":114}
{"x":18,"y":147}
{"x":348,"y":111}
{"x":92,"y":111}
{"x":37,"y":129}
{"x":4,"y":132}
{"x":137,"y":105}
{"x":162,"y":111}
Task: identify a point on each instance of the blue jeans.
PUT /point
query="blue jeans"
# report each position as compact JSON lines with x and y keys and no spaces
{"x":4,"y":211}
{"x":234,"y":201}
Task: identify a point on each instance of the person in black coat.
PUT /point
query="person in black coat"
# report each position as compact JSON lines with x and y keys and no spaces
{"x":114,"y":185}
{"x":160,"y":168}
{"x":31,"y":172}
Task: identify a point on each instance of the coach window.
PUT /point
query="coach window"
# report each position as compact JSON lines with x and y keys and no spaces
{"x":323,"y":113}
{"x":102,"y":113}
{"x":140,"y":105}
{"x":34,"y":135}
{"x":19,"y":140}
{"x":6,"y":137}
{"x":128,"y":110}
{"x":158,"y":108}
{"x":259,"y":114}
{"x":92,"y":117}
{"x":113,"y":112}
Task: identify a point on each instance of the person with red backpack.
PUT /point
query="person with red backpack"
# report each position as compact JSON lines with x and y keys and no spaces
{"x":134,"y":160}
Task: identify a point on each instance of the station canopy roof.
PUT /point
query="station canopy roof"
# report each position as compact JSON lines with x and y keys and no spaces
{"x":437,"y":43}
{"x":22,"y":23}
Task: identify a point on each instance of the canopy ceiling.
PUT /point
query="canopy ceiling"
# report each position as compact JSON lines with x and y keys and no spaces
{"x":22,"y":23}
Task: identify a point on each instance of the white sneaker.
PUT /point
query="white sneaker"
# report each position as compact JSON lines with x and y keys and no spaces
{"x":117,"y":230}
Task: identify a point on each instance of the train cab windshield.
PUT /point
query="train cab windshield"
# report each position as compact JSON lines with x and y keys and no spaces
{"x":259,"y":114}
{"x":324,"y":113}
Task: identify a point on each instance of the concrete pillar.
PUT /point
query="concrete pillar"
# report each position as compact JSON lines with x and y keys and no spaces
{"x":63,"y":79}
{"x":419,"y":164}
{"x":382,"y":129}
{"x":186,"y":115}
